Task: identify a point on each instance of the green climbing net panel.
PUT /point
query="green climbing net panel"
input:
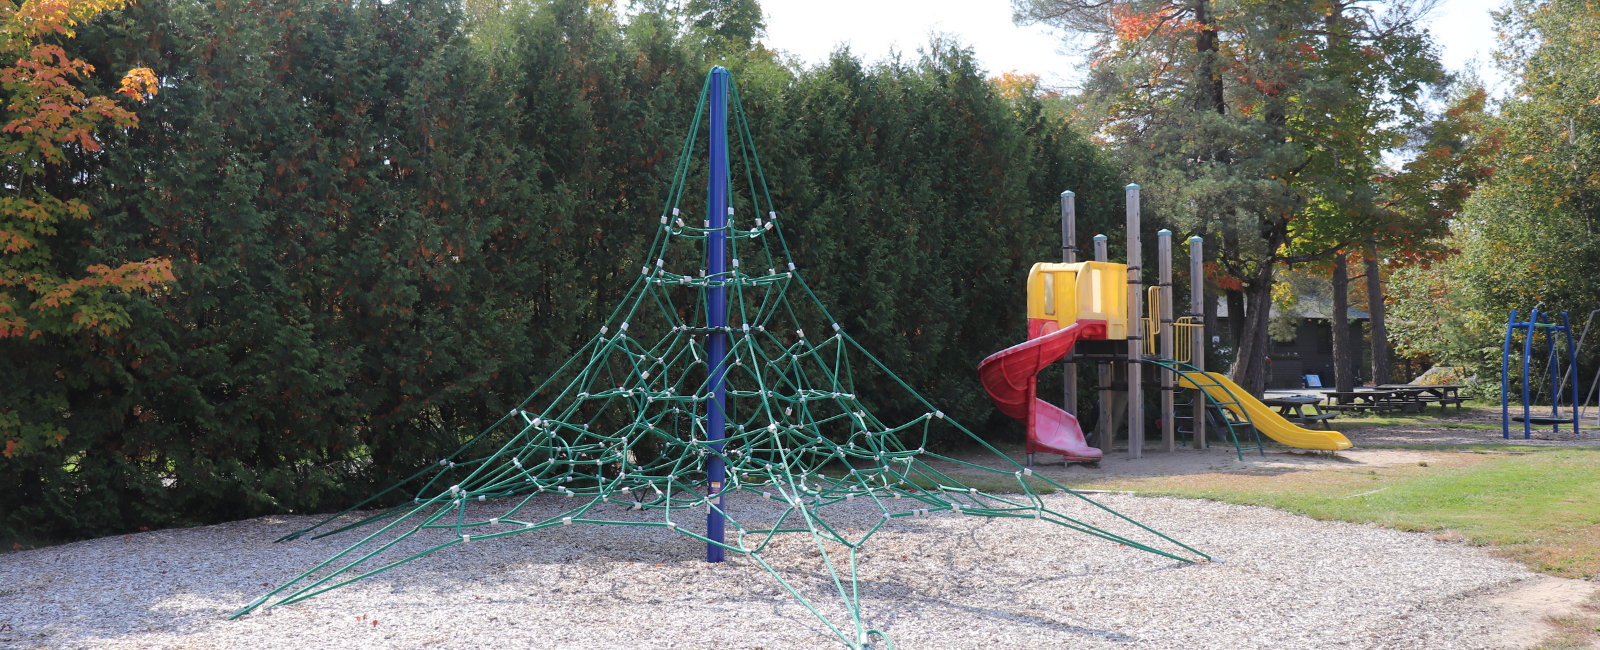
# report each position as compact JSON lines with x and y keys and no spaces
{"x":619,"y":432}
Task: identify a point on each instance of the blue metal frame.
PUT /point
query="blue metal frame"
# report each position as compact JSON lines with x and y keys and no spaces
{"x":1550,"y":356}
{"x":1527,"y":356}
{"x":717,"y":307}
{"x":1536,"y":322}
{"x":1572,"y":360}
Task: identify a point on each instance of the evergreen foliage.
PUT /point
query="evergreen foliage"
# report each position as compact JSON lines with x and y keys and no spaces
{"x":389,"y":221}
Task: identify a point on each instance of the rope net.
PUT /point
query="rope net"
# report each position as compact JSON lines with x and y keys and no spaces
{"x":620,"y":430}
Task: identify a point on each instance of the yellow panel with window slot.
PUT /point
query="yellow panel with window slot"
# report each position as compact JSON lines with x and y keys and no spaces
{"x":1068,"y":293}
{"x":1102,"y":294}
{"x":1052,"y":292}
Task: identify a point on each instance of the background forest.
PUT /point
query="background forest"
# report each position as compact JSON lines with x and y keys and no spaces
{"x":316,"y":244}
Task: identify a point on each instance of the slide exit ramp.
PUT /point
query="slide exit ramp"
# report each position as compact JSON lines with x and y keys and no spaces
{"x":1012,"y":376}
{"x":1229,"y":395}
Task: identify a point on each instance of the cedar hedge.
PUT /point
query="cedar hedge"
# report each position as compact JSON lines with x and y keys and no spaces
{"x":390,"y":221}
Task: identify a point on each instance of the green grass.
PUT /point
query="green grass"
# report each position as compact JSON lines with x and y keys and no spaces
{"x":1541,"y":508}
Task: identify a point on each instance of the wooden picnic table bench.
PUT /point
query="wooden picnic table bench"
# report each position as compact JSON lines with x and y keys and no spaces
{"x":1293,"y":409}
{"x":1409,"y":397}
{"x":1441,"y":394}
{"x":1376,"y":401}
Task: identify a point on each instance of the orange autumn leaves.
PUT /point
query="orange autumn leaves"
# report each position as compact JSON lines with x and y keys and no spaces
{"x":139,"y":84}
{"x":1141,"y":26}
{"x":50,"y":119}
{"x":1131,"y":24}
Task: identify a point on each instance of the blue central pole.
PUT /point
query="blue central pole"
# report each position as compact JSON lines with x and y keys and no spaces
{"x":717,"y":304}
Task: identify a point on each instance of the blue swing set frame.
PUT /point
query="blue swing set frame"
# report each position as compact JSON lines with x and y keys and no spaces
{"x":1535,"y":323}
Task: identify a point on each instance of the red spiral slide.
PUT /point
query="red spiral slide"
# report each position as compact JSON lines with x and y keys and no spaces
{"x":1012,"y":376}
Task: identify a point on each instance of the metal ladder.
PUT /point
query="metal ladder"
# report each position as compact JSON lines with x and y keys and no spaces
{"x":1229,"y":418}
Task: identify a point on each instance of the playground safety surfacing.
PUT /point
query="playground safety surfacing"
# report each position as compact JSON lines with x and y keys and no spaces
{"x":939,"y":582}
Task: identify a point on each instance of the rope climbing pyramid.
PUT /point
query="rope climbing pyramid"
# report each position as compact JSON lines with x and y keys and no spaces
{"x":719,"y":374}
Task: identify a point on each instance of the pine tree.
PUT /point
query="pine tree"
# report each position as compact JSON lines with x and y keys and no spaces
{"x":1257,"y":125}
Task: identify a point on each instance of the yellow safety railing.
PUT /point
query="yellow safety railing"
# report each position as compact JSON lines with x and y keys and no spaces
{"x":1183,"y":338}
{"x":1152,"y":324}
{"x":1182,"y":333}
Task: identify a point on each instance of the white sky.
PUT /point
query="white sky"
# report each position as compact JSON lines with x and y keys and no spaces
{"x":811,"y":29}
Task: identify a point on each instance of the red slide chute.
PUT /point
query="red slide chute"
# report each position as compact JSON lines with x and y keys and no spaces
{"x":1012,"y":377}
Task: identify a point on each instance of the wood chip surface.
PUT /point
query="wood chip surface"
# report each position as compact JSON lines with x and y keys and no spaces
{"x":931,"y":582}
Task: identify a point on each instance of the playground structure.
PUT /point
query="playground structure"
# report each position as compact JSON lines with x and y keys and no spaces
{"x":1092,"y":311}
{"x":718,"y":374}
{"x":1558,"y":370}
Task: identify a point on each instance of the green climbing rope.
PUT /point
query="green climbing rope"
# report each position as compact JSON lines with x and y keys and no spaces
{"x":621,"y":426}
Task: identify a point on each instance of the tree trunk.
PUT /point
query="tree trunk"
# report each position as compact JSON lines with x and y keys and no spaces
{"x":1380,"y":333}
{"x":1234,"y":298}
{"x":1209,"y":317}
{"x":1212,"y":96}
{"x":1235,"y":317}
{"x":1250,"y":364}
{"x":1343,"y":379}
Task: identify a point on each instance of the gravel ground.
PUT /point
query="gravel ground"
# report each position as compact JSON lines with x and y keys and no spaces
{"x":931,"y":582}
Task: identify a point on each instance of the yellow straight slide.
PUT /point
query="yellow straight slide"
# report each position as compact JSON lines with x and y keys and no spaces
{"x":1261,"y":416}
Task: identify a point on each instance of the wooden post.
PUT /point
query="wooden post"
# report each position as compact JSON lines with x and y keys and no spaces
{"x":1169,"y":425}
{"x":1103,"y":374}
{"x":1197,"y":347}
{"x":1069,"y":254}
{"x":1135,"y":339}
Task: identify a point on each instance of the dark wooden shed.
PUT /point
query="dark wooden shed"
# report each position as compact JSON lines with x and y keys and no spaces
{"x":1311,"y":351}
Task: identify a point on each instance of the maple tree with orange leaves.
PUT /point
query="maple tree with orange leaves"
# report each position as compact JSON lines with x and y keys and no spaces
{"x":49,"y":118}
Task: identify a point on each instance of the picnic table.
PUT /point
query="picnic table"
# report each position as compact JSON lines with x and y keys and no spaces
{"x":1442,"y":394}
{"x":1376,"y":401}
{"x":1410,"y":397}
{"x":1292,"y":408}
